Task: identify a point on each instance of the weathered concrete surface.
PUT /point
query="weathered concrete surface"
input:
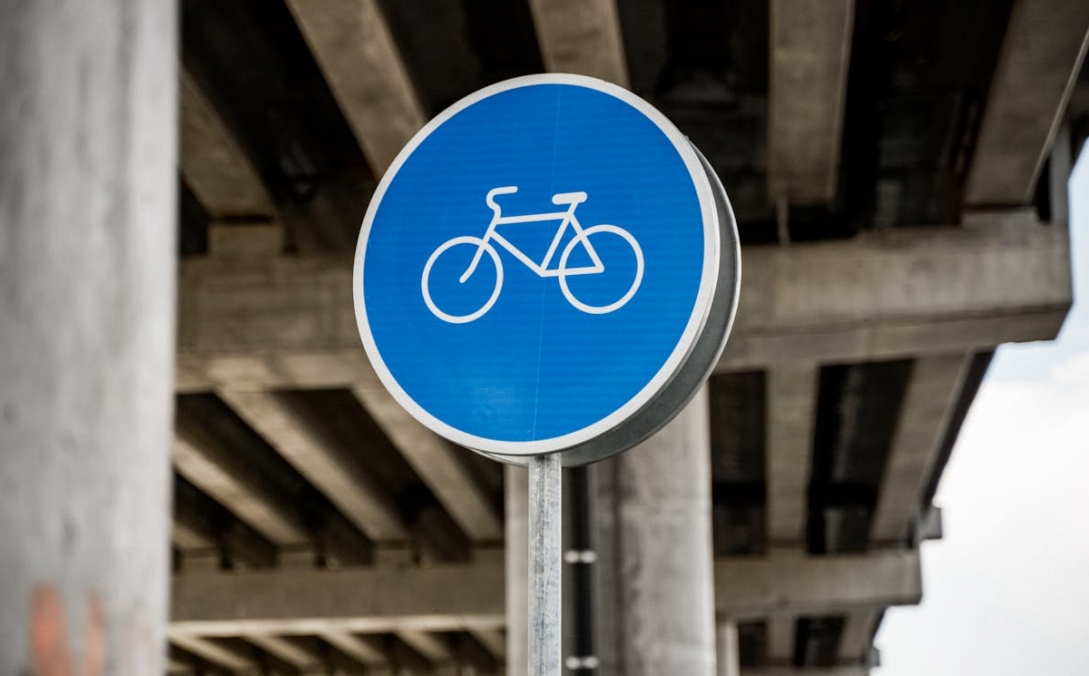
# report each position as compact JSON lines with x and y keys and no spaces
{"x":470,"y":596}
{"x":857,"y":636}
{"x":807,"y":86}
{"x":796,"y":584}
{"x":211,"y":465}
{"x":664,"y":553}
{"x":921,"y":428}
{"x":437,"y":463}
{"x":791,"y":405}
{"x":87,"y":257}
{"x":582,"y":37}
{"x":780,"y":639}
{"x":356,"y":51}
{"x":901,"y":293}
{"x":1042,"y":53}
{"x":212,"y":161}
{"x":324,"y":461}
{"x":362,"y":600}
{"x":814,"y":671}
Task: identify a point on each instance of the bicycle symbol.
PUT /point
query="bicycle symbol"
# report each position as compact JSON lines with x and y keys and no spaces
{"x":486,"y":244}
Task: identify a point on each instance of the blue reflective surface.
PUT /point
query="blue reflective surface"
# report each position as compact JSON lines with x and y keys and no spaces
{"x":533,"y":366}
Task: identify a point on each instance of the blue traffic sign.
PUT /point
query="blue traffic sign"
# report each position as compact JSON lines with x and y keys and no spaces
{"x":537,"y":264}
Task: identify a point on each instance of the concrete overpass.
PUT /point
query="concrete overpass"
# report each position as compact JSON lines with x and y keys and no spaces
{"x":899,"y":177}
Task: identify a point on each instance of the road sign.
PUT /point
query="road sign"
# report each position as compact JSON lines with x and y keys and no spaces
{"x":539,"y":265}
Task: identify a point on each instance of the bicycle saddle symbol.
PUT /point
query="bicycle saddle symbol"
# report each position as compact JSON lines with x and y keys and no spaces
{"x":543,"y":269}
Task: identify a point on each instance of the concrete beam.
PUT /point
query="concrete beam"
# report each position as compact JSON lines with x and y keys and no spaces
{"x":814,"y":671}
{"x":286,"y":651}
{"x":797,"y":584}
{"x":320,"y":458}
{"x":781,"y":635}
{"x":408,"y":660}
{"x":212,"y":467}
{"x":175,"y":667}
{"x":792,"y":411}
{"x":432,"y":648}
{"x":243,"y":240}
{"x":1044,"y":48}
{"x":354,"y":600}
{"x":857,"y":636}
{"x":213,"y":652}
{"x":468,"y":598}
{"x":581,"y":36}
{"x":198,"y":561}
{"x":363,"y":649}
{"x":810,"y":51}
{"x":289,"y":322}
{"x":924,"y":417}
{"x":437,"y":463}
{"x":201,"y":524}
{"x":998,"y":280}
{"x":471,"y":658}
{"x":355,"y":49}
{"x":880,"y":339}
{"x":185,"y":536}
{"x":492,"y":640}
{"x":213,"y":164}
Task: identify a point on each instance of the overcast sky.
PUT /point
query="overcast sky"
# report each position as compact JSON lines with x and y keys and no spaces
{"x":1006,"y":593}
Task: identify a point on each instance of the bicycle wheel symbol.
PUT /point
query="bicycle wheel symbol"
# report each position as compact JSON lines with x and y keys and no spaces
{"x":583,"y":240}
{"x":448,"y":249}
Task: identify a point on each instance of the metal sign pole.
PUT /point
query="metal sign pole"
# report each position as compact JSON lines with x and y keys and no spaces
{"x":447,"y":276}
{"x":545,"y":564}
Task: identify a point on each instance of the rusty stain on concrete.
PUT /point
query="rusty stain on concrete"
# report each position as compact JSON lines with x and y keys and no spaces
{"x":49,"y":648}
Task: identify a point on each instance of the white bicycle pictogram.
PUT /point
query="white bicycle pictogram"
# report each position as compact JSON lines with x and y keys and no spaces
{"x":562,"y":271}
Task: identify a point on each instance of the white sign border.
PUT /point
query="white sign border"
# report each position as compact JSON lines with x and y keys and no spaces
{"x":672,"y":364}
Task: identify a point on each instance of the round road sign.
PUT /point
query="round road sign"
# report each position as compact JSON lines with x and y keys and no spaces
{"x":538,"y":270}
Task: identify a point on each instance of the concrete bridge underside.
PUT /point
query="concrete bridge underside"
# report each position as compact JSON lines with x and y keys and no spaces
{"x":899,"y":178}
{"x":895,"y":232}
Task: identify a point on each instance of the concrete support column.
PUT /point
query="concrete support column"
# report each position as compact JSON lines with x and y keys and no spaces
{"x":663,"y":554}
{"x":87,"y":274}
{"x":781,"y":635}
{"x":728,"y":657}
{"x":516,"y":499}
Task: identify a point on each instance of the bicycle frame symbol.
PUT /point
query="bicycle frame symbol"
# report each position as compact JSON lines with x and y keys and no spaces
{"x":562,"y":271}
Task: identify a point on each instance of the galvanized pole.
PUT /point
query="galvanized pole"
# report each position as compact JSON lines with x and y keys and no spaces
{"x":88,"y":178}
{"x":545,"y":565}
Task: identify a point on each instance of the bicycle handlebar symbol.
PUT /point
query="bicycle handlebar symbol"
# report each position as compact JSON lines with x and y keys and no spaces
{"x":486,"y":244}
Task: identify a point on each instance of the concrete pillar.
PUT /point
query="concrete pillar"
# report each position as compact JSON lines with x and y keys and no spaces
{"x":87,"y":273}
{"x":517,"y":535}
{"x":728,"y":655}
{"x":781,"y":632}
{"x":663,"y":553}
